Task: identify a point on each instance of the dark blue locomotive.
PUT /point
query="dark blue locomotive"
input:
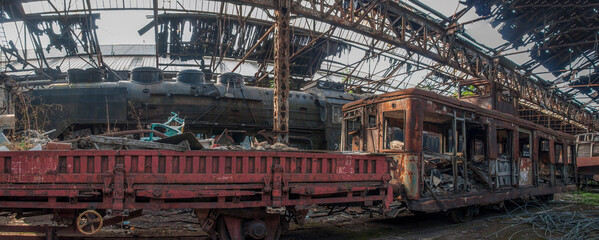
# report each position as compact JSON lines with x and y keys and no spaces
{"x":88,"y":105}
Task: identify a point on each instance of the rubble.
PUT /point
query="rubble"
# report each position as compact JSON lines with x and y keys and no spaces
{"x":118,"y":143}
{"x":266,"y":146}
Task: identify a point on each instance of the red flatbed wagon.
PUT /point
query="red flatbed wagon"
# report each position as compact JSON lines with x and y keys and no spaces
{"x":235,"y":194}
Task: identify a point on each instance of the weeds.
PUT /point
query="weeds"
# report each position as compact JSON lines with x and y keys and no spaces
{"x":587,"y":197}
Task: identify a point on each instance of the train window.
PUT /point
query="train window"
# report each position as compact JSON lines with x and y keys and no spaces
{"x":544,"y":146}
{"x":524,"y":143}
{"x":504,"y":142}
{"x":559,"y":155}
{"x":352,"y":132}
{"x":479,"y":147}
{"x":595,"y":150}
{"x":371,"y":121}
{"x":394,"y":130}
{"x":431,"y":142}
{"x":505,"y":95}
{"x":569,"y":153}
{"x":336,"y":112}
{"x":584,"y":150}
{"x":476,"y":145}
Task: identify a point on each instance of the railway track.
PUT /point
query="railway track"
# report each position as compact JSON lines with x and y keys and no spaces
{"x":25,"y":232}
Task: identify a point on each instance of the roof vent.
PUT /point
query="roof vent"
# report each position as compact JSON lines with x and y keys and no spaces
{"x":231,"y":79}
{"x":146,"y":75}
{"x":191,"y":76}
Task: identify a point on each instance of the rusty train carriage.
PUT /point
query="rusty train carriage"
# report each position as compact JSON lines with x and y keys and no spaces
{"x":498,"y":156}
{"x":235,"y":194}
{"x":587,"y":149}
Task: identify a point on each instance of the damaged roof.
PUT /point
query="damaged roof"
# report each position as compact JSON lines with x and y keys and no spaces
{"x":561,"y":38}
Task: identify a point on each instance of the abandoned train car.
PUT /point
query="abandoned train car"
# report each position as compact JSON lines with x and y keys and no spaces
{"x":457,"y":155}
{"x":88,"y":104}
{"x":587,"y":149}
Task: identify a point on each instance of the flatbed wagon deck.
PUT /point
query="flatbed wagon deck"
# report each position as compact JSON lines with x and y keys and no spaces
{"x":233,"y":193}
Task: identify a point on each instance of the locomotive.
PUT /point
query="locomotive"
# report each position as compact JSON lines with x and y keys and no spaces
{"x":89,"y":105}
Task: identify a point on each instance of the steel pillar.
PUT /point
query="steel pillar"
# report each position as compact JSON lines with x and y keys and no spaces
{"x":281,"y":71}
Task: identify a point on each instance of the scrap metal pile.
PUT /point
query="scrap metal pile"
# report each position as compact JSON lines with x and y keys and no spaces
{"x":167,"y":136}
{"x":439,"y":169}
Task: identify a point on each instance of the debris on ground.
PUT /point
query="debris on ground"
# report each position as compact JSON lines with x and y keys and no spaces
{"x":546,"y":223}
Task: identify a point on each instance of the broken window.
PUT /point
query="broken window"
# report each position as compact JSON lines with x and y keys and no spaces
{"x":504,"y":143}
{"x":544,"y":163}
{"x":524,"y":143}
{"x":505,"y":95}
{"x":431,"y":142}
{"x":371,"y":121}
{"x":476,"y":147}
{"x":559,"y":158}
{"x":559,"y":166}
{"x":501,"y":168}
{"x":352,"y":132}
{"x":394,"y":130}
{"x":437,"y":160}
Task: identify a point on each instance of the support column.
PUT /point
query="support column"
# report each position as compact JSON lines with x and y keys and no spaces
{"x":281,"y":72}
{"x":155,"y":6}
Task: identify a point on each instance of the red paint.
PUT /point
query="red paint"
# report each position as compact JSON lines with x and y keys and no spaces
{"x":152,"y":179}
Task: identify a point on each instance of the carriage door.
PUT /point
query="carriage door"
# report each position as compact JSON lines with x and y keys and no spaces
{"x":502,"y":166}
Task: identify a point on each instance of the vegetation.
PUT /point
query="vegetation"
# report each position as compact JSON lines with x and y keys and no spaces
{"x":590,"y":198}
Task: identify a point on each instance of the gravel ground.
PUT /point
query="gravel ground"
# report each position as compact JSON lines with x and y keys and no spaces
{"x":354,"y":223}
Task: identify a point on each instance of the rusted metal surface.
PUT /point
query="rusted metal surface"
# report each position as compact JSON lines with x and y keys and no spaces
{"x":118,"y":180}
{"x":234,"y":193}
{"x":484,"y":198}
{"x":408,"y":174}
{"x":587,"y":151}
{"x":450,"y":153}
{"x":526,"y":172}
{"x":281,"y":71}
{"x":409,"y":30}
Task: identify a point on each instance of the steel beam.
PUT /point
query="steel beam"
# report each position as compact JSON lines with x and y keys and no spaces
{"x":281,"y":71}
{"x":425,"y":37}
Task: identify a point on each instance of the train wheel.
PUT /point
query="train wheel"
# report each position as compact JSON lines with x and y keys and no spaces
{"x":89,"y":222}
{"x":236,"y":228}
{"x":461,"y":215}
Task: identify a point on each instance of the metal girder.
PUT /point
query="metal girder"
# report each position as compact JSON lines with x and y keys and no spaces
{"x":281,"y":71}
{"x":394,"y":23}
